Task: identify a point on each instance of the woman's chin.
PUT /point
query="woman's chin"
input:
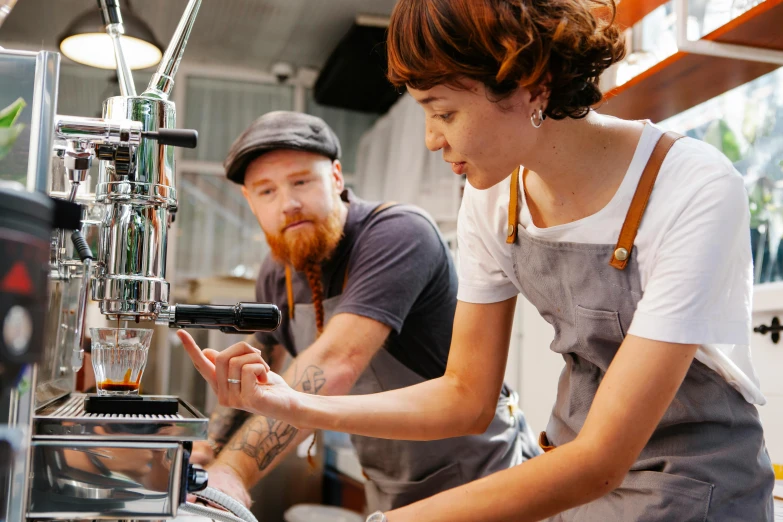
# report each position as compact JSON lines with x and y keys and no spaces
{"x":482,"y":181}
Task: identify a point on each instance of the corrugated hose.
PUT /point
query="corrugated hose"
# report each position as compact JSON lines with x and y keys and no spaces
{"x":236,"y":511}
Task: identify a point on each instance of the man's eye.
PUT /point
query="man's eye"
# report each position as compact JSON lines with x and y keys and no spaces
{"x":265,"y":192}
{"x":446,"y":116}
{"x":300,"y":182}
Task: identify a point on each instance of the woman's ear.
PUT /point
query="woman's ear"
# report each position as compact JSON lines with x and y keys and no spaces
{"x":539,"y":93}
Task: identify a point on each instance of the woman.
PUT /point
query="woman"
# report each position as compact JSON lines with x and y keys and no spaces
{"x":632,"y":243}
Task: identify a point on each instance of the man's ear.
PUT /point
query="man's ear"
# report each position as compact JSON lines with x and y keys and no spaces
{"x":337,"y":175}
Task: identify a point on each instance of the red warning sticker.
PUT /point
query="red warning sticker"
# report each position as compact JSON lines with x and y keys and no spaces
{"x":17,"y":280}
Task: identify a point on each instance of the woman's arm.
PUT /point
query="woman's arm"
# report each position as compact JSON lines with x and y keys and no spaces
{"x":633,"y":396}
{"x":461,"y":402}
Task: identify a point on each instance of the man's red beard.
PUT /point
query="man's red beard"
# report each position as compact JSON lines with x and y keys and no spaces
{"x":311,"y":244}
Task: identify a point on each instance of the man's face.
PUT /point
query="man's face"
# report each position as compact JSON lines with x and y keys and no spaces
{"x":296,"y":198}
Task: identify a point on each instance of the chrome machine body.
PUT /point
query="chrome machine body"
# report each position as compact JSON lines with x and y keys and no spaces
{"x":57,"y":461}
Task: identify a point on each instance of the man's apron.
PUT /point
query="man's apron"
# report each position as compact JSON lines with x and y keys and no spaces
{"x":402,"y":472}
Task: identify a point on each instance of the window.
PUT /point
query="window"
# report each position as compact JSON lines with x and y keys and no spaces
{"x":746,"y":124}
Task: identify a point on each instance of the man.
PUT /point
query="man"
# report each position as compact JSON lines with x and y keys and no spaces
{"x":367,"y":292}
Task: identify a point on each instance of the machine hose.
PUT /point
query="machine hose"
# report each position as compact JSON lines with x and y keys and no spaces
{"x":238,"y":512}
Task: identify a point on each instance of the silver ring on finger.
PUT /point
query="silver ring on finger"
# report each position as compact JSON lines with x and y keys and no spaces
{"x":234,"y":381}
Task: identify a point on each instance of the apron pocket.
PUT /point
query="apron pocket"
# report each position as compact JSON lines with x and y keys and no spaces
{"x":393,"y":493}
{"x":599,"y":334}
{"x":651,"y":496}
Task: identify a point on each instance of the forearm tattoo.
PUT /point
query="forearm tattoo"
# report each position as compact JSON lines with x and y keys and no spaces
{"x":264,"y":439}
{"x":224,"y":423}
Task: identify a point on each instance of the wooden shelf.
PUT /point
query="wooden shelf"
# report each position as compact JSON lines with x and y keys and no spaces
{"x":631,"y":11}
{"x":684,"y":80}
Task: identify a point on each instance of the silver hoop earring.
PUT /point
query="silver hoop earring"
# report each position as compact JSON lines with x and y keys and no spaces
{"x":537,"y":122}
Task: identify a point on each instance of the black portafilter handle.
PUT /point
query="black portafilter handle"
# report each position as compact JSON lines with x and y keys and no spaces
{"x":187,"y":138}
{"x":238,"y":318}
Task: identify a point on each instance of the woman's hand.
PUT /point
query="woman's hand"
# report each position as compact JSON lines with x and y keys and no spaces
{"x":242,"y":379}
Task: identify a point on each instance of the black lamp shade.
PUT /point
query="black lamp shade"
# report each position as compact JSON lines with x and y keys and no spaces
{"x":85,"y":41}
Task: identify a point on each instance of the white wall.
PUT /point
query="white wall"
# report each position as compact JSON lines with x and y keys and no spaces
{"x":533,"y":369}
{"x":538,"y":366}
{"x":768,"y":360}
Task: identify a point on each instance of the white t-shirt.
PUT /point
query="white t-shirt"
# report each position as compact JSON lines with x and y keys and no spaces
{"x":693,"y":248}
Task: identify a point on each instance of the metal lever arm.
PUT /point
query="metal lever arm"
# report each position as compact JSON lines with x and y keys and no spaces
{"x":239,"y":318}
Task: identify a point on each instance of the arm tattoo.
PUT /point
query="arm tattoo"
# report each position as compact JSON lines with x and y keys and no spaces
{"x":223,"y":423}
{"x":265,"y":439}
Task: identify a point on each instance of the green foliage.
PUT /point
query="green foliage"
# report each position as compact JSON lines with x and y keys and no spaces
{"x":9,"y":129}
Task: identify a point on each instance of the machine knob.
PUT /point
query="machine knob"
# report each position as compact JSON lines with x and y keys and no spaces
{"x":197,"y":479}
{"x":187,"y":138}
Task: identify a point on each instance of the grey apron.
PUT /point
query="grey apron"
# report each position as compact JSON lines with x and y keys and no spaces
{"x":706,"y":459}
{"x":402,"y":472}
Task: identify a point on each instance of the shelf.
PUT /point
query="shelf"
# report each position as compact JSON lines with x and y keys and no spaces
{"x":684,"y":80}
{"x":631,"y":11}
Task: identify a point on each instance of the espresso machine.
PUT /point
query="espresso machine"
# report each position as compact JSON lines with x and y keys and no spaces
{"x":58,"y":459}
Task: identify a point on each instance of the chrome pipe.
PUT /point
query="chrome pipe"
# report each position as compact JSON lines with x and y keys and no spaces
{"x":162,"y":81}
{"x":98,"y":130}
{"x":110,"y":10}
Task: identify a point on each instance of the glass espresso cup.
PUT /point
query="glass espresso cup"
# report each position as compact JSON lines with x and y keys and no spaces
{"x":119,"y":356}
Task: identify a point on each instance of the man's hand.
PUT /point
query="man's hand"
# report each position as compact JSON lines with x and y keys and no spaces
{"x":202,"y":453}
{"x":227,"y":480}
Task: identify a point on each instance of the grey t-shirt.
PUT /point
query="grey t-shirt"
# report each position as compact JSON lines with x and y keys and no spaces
{"x":400,"y":273}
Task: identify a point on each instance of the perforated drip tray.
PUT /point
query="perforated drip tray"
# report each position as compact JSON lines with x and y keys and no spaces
{"x":66,"y":418}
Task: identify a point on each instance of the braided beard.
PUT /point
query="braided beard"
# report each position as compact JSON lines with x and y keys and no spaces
{"x":313,"y":272}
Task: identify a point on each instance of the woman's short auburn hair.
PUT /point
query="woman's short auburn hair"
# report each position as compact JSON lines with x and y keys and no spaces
{"x":561,"y":46}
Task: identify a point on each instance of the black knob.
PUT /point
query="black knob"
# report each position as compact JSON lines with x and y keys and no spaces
{"x":187,"y":138}
{"x":198,"y":479}
{"x":81,"y":246}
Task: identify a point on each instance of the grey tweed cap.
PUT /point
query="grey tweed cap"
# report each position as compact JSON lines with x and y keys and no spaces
{"x":280,"y":130}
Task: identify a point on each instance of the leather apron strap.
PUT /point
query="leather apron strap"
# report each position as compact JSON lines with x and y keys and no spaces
{"x":633,"y":218}
{"x":513,"y":213}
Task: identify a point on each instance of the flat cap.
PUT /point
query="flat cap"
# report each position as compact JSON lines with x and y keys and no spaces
{"x":280,"y":130}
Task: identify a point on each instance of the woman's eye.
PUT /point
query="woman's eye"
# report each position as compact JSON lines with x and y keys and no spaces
{"x":446,"y":116}
{"x":265,"y":192}
{"x":300,"y":182}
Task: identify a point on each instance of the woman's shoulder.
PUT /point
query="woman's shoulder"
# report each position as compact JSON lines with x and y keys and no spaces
{"x":483,"y":217}
{"x":495,"y":197}
{"x":694,"y":161}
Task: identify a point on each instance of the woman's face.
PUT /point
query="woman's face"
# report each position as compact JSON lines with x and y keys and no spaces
{"x":482,"y":139}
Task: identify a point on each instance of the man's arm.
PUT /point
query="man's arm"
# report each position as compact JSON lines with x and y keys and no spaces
{"x":330,"y":366}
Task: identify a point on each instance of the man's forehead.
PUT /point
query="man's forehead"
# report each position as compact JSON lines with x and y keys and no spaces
{"x":272,"y":168}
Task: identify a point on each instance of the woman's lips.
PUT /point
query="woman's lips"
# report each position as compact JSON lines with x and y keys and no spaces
{"x":458,"y":167}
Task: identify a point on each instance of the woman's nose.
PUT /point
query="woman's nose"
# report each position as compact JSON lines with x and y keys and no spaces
{"x":433,"y":140}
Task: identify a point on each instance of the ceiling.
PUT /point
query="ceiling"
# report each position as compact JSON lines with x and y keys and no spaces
{"x":251,"y":34}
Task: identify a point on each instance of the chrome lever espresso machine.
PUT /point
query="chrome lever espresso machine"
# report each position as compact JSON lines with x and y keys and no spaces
{"x":59,"y":461}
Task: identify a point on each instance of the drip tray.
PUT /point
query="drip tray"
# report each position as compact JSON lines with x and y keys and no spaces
{"x":67,"y":417}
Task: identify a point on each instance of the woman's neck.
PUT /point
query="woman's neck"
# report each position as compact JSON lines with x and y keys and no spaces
{"x":578,"y":166}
